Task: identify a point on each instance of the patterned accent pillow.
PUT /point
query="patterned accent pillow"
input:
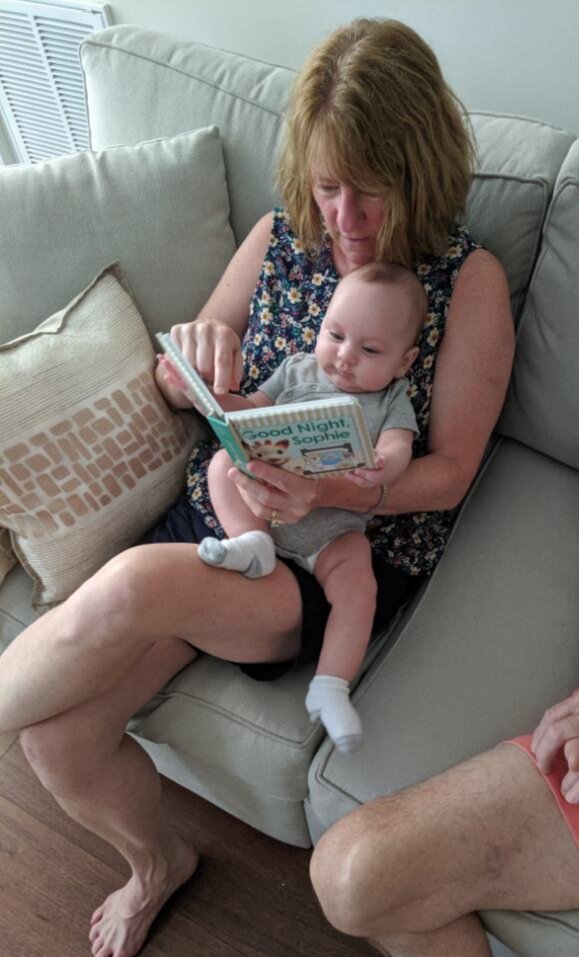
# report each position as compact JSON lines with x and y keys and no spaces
{"x":90,"y":453}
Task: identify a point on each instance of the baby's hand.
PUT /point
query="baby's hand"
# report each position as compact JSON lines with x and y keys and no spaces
{"x":370,"y":478}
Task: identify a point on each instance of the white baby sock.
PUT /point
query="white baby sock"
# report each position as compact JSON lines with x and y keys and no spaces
{"x":328,"y":699}
{"x":252,"y":554}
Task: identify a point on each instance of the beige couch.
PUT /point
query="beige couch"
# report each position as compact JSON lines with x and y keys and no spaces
{"x":493,"y":638}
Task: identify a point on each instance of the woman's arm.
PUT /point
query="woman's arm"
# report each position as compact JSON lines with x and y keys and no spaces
{"x":472,"y":373}
{"x":212,"y":342}
{"x":470,"y":383}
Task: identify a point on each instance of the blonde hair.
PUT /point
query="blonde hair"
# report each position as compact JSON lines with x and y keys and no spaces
{"x":371,"y":102}
{"x":393,"y":274}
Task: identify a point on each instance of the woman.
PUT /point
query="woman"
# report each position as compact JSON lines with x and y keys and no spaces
{"x":376,"y":165}
{"x":410,"y":870}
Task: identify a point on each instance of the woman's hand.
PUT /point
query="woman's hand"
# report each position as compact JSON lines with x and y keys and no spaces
{"x":289,"y":496}
{"x":214,"y":349}
{"x":212,"y":343}
{"x":558,"y":731}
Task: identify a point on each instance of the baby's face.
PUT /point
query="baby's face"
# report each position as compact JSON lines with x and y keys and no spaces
{"x":363,"y":343}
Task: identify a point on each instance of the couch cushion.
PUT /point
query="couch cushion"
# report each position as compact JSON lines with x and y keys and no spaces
{"x":138,"y":81}
{"x":518,"y":163}
{"x":491,"y":644}
{"x":542,"y":407}
{"x":160,"y":208}
{"x":161,"y":85}
{"x":90,"y":453}
{"x":518,"y":535}
{"x":535,"y":934}
{"x":244,"y":745}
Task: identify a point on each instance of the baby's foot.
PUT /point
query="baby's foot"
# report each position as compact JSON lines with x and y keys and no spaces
{"x":252,"y":554}
{"x":328,"y":699}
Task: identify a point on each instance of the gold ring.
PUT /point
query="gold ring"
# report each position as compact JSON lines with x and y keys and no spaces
{"x":275,"y":520}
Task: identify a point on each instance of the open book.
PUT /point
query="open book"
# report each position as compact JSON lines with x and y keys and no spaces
{"x":313,"y":439}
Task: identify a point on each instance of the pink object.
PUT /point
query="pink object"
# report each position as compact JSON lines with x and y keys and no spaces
{"x":554,"y":778}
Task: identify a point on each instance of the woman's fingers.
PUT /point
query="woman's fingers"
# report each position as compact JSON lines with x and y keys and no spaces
{"x":228,"y":364}
{"x":262,"y":499}
{"x":214,"y":350}
{"x":289,"y":495}
{"x":201,"y":342}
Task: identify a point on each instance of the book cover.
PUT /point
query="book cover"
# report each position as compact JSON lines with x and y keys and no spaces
{"x":312,"y":439}
{"x":309,"y":438}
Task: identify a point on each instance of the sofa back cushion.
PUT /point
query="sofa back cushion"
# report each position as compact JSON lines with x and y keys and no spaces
{"x":142,"y":84}
{"x":159,"y":208}
{"x":518,"y":163}
{"x":138,"y":81}
{"x":542,"y":407}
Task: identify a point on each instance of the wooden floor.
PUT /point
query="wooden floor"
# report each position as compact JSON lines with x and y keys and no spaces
{"x":250,"y":897}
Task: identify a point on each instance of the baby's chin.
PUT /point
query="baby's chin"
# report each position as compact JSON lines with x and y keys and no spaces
{"x":344,"y":383}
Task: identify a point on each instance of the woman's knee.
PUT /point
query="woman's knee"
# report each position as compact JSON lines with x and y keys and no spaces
{"x":59,"y":753}
{"x":114,"y":598}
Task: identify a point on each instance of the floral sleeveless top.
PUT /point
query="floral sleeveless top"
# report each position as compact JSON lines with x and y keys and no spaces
{"x":285,"y":313}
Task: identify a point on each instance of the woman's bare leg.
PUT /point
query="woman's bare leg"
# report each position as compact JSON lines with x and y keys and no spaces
{"x":147,"y":594}
{"x":409,"y":871}
{"x":105,"y":781}
{"x":93,"y":662}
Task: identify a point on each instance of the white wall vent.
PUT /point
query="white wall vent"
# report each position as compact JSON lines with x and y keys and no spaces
{"x":41,"y":83}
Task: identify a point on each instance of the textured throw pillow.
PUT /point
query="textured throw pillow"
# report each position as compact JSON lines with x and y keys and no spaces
{"x":160,"y":208}
{"x":90,"y":453}
{"x":7,"y":556}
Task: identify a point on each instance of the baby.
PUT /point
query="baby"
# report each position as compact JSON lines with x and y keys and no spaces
{"x":366,"y":344}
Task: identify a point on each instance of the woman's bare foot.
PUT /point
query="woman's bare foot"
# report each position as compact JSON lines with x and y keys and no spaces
{"x":120,"y":925}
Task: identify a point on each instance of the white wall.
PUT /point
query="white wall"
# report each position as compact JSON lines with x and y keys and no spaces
{"x":515,"y":56}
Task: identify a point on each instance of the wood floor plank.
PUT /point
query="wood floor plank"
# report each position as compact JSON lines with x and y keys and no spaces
{"x":6,"y":742}
{"x":49,"y":889}
{"x":251,"y":896}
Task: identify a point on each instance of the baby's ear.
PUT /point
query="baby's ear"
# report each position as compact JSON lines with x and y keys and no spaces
{"x":409,"y":357}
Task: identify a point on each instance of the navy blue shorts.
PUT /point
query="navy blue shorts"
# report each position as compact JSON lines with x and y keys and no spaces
{"x":182,"y":523}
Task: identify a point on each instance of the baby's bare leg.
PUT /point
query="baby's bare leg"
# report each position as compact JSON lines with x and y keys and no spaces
{"x":249,"y":547}
{"x":235,"y":516}
{"x":344,"y":569}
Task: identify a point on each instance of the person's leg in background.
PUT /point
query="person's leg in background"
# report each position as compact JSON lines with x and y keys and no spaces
{"x":410,"y":871}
